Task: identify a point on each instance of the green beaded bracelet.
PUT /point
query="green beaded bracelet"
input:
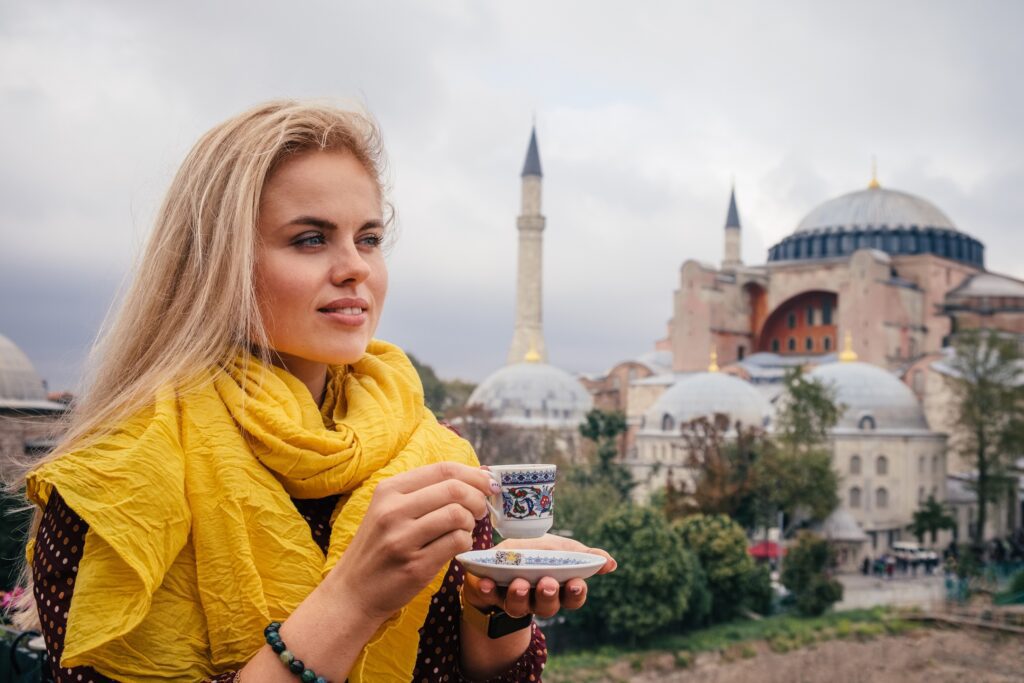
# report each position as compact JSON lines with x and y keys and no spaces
{"x":294,"y":665}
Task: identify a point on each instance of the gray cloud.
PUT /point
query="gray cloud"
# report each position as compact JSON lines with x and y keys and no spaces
{"x":645,"y":116}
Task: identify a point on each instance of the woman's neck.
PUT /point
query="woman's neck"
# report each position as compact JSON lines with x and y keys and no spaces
{"x":311,"y":373}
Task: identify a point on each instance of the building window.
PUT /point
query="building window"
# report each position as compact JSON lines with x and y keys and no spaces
{"x":827,"y":343}
{"x":826,"y":312}
{"x":855,"y":497}
{"x":881,"y":498}
{"x":667,"y":423}
{"x":854,"y":464}
{"x":791,"y":320}
{"x":810,"y":315}
{"x":866,"y":422}
{"x":882,"y":465}
{"x":809,"y":344}
{"x":775,"y":345}
{"x":741,"y":352}
{"x":791,"y":344}
{"x":935,"y":465}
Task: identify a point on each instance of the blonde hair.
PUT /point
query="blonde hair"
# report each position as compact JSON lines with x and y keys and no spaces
{"x":192,"y":304}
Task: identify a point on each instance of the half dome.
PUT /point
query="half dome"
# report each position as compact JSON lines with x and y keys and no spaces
{"x":703,"y":395}
{"x":874,"y":399}
{"x":18,"y":379}
{"x":533,"y":395}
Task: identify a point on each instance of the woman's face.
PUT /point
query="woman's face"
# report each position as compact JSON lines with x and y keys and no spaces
{"x":320,"y":272}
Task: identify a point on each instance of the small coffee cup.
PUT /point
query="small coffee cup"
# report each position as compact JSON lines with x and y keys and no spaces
{"x":526,"y":505}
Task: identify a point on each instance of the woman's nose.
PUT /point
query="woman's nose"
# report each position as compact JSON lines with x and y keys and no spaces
{"x":349,"y":266}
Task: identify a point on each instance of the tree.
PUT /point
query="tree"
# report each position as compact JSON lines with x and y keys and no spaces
{"x":603,"y":429}
{"x":797,"y":476}
{"x":653,"y":585}
{"x":988,"y":386}
{"x":496,"y":443}
{"x":804,"y":574}
{"x":930,"y":518}
{"x":14,"y":522}
{"x":440,"y":395}
{"x":721,"y":546}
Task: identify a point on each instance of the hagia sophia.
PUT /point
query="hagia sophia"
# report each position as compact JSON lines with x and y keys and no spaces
{"x":864,"y":294}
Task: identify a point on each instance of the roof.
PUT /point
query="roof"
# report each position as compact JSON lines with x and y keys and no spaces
{"x":868,"y":391}
{"x":705,"y":394}
{"x":732,"y":220}
{"x":876,"y":207}
{"x":533,"y":395}
{"x":988,"y":284}
{"x":21,"y":388}
{"x":841,"y":526}
{"x":532,"y":164}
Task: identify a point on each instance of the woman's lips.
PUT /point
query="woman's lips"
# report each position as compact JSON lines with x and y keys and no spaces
{"x":350,"y":316}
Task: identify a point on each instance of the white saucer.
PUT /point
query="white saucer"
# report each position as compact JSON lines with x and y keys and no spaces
{"x":505,"y":565}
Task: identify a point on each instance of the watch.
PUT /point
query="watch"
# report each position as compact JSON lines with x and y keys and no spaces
{"x":494,"y":621}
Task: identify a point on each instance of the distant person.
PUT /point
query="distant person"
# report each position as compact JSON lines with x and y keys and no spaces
{"x":865,"y":567}
{"x":252,"y":489}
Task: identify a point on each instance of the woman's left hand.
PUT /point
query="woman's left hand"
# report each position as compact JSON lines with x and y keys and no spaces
{"x":548,"y":597}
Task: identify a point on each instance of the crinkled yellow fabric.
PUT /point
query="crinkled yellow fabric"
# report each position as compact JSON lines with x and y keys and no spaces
{"x":194,"y":544}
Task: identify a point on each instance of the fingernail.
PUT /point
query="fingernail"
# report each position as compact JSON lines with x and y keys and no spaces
{"x":486,"y":590}
{"x":521,"y":592}
{"x":575,"y":590}
{"x":548,"y":592}
{"x":495,"y":487}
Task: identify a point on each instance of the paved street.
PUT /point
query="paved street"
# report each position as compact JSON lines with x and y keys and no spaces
{"x":868,"y":591}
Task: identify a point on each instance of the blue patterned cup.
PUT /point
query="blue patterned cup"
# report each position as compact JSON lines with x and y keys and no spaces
{"x":525,"y":507}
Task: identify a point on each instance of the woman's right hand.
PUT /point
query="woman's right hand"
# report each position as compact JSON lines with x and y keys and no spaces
{"x":416,"y":523}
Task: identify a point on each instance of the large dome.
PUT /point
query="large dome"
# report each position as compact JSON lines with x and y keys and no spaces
{"x":878,"y":218}
{"x":18,"y":379}
{"x":703,"y":395}
{"x":874,"y":399}
{"x":533,"y":395}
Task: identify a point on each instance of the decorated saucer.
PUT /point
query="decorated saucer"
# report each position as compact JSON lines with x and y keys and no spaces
{"x":505,"y":565}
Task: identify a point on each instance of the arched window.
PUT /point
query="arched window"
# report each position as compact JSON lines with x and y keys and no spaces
{"x":809,"y":343}
{"x":881,"y":498}
{"x":827,"y":342}
{"x":881,"y":465}
{"x":855,"y":497}
{"x":775,"y":345}
{"x":791,"y":344}
{"x":866,"y":422}
{"x":854,"y":464}
{"x":935,"y":465}
{"x":791,"y":320}
{"x":667,"y":423}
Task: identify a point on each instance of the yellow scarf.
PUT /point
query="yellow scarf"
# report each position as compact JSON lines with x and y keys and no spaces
{"x":194,"y":544}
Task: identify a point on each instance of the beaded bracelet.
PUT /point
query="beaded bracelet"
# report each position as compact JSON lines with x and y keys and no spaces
{"x":294,"y":665}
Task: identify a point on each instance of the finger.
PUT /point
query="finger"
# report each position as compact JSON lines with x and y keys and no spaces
{"x":422,"y":477}
{"x":435,"y":525}
{"x":480,"y":592}
{"x":574,"y":594}
{"x":443,"y":549}
{"x":546,"y":600}
{"x":517,"y":599}
{"x":436,"y":496}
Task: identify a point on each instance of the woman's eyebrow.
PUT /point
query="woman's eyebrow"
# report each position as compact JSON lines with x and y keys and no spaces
{"x":313,"y":222}
{"x":372,"y":225}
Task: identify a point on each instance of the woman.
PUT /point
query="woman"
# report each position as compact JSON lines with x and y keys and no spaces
{"x":252,"y":489}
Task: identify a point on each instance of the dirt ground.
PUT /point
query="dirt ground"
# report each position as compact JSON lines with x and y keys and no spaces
{"x":921,"y":656}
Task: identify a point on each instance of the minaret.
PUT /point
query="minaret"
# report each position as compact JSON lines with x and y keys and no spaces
{"x":528,"y":336}
{"x":732,"y":235}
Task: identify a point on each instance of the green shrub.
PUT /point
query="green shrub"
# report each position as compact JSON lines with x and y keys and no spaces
{"x":652,"y":586}
{"x":803,"y":573}
{"x":733,"y":579}
{"x":1017,"y":583}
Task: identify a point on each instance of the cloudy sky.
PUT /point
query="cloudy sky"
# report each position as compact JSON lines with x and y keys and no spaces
{"x":646,"y":112}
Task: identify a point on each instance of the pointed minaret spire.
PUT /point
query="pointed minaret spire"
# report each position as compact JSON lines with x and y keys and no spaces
{"x":732,"y":234}
{"x":532,"y":164}
{"x":528,"y":336}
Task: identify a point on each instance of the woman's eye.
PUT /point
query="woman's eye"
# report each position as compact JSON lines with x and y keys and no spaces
{"x":314,"y":239}
{"x":371,"y":239}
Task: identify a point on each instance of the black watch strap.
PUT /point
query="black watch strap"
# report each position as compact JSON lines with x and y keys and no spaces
{"x":495,"y":621}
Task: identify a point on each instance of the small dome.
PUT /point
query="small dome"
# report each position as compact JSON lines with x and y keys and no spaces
{"x":841,"y":526}
{"x":533,"y":395}
{"x":18,"y":379}
{"x":704,"y":394}
{"x":874,"y":398}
